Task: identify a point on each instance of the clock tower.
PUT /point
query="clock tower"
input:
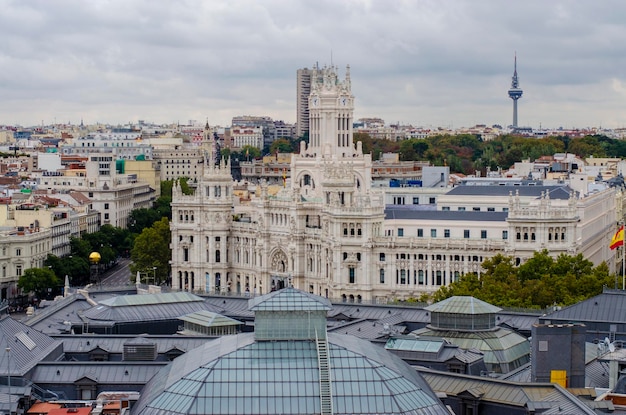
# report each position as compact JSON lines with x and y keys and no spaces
{"x":331,"y":108}
{"x":332,"y":179}
{"x":331,"y":147}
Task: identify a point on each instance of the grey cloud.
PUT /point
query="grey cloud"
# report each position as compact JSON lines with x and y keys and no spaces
{"x":424,"y":62}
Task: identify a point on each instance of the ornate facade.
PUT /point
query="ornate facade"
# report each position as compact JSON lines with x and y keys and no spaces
{"x":327,"y":231}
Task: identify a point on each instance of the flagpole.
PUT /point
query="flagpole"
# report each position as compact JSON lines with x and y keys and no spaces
{"x":616,"y":242}
{"x":623,"y":268}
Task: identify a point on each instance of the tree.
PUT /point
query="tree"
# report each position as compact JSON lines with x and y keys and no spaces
{"x":536,"y":267}
{"x":225,"y":153}
{"x":184,"y":185}
{"x":163,"y":204}
{"x":250,"y":152}
{"x":468,"y":284}
{"x":110,"y":242}
{"x":282,"y":145}
{"x":413,"y":149}
{"x":540,"y":282}
{"x":152,"y":249}
{"x":366,"y":141}
{"x":74,"y":266}
{"x":80,"y":247}
{"x":38,"y":281}
{"x":139,"y":219}
{"x":586,"y":146}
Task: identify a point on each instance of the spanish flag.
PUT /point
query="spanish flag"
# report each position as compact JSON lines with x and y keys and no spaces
{"x":618,"y":238}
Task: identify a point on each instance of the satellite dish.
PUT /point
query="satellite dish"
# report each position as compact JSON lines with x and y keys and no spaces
{"x":609,"y":345}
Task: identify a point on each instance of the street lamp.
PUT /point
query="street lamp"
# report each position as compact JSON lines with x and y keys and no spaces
{"x":94,"y":259}
{"x":49,"y":288}
{"x":8,"y":350}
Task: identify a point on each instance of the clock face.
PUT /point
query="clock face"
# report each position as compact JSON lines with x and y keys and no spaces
{"x":315,"y":102}
{"x":344,"y":101}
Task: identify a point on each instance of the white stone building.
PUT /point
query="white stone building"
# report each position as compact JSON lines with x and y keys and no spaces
{"x":186,"y":160}
{"x":247,"y":136}
{"x":124,"y":145}
{"x":179,"y":162}
{"x":113,"y":194}
{"x":21,"y":249}
{"x":328,"y":231}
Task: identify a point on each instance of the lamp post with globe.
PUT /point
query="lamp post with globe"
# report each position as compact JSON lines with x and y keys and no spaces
{"x":94,"y":261}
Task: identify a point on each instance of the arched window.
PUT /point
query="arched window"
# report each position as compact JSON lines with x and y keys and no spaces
{"x":218,"y":281}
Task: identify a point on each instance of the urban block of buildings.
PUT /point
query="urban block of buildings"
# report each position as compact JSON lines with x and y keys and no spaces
{"x":334,"y":230}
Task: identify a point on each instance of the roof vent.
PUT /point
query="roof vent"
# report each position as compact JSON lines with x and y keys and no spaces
{"x":140,"y":351}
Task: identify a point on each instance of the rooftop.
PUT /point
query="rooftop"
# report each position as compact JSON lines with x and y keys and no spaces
{"x":461,"y":304}
{"x":554,"y":192}
{"x":289,"y":299}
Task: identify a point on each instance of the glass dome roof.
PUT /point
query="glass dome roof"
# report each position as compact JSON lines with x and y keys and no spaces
{"x":238,"y":375}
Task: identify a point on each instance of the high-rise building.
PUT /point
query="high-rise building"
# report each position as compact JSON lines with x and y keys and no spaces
{"x":303,"y":90}
{"x":515,"y":92}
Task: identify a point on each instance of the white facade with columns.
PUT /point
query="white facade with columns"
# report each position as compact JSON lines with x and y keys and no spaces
{"x":328,"y":231}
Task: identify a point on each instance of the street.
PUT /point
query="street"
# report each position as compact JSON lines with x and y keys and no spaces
{"x":119,"y":275}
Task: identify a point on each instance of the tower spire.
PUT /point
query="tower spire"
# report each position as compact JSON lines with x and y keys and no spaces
{"x":515,"y":81}
{"x":515,"y":91}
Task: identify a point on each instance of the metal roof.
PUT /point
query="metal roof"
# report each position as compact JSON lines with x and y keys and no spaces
{"x":289,"y":299}
{"x":119,"y":373}
{"x":554,"y":192}
{"x":441,"y":215}
{"x":133,"y":308}
{"x":115,"y":343}
{"x":499,"y":346}
{"x":463,"y":304}
{"x":207,"y":318}
{"x":378,"y":312}
{"x":607,"y":307}
{"x":234,"y":307}
{"x":51,"y":319}
{"x":151,"y":299}
{"x":372,"y":330}
{"x":27,"y":347}
{"x":517,"y":322}
{"x":521,"y":374}
{"x":415,"y":344}
{"x":552,"y":397}
{"x":597,"y":373}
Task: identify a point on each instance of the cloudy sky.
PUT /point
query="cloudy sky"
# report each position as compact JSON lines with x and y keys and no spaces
{"x":424,"y":62}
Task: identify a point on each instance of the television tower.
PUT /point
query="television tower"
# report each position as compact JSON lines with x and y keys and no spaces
{"x":515,"y":92}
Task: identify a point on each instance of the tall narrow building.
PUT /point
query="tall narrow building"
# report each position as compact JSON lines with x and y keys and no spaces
{"x":515,"y":92}
{"x":303,"y":90}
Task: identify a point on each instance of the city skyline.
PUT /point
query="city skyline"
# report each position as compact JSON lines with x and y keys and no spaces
{"x":426,"y":63}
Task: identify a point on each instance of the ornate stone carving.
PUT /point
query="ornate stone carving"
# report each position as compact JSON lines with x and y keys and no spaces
{"x":279,"y":262}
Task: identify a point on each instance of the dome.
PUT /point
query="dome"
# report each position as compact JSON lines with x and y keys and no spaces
{"x":289,"y":365}
{"x":238,"y":375}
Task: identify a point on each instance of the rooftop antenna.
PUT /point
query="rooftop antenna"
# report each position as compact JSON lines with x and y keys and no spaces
{"x":331,"y":57}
